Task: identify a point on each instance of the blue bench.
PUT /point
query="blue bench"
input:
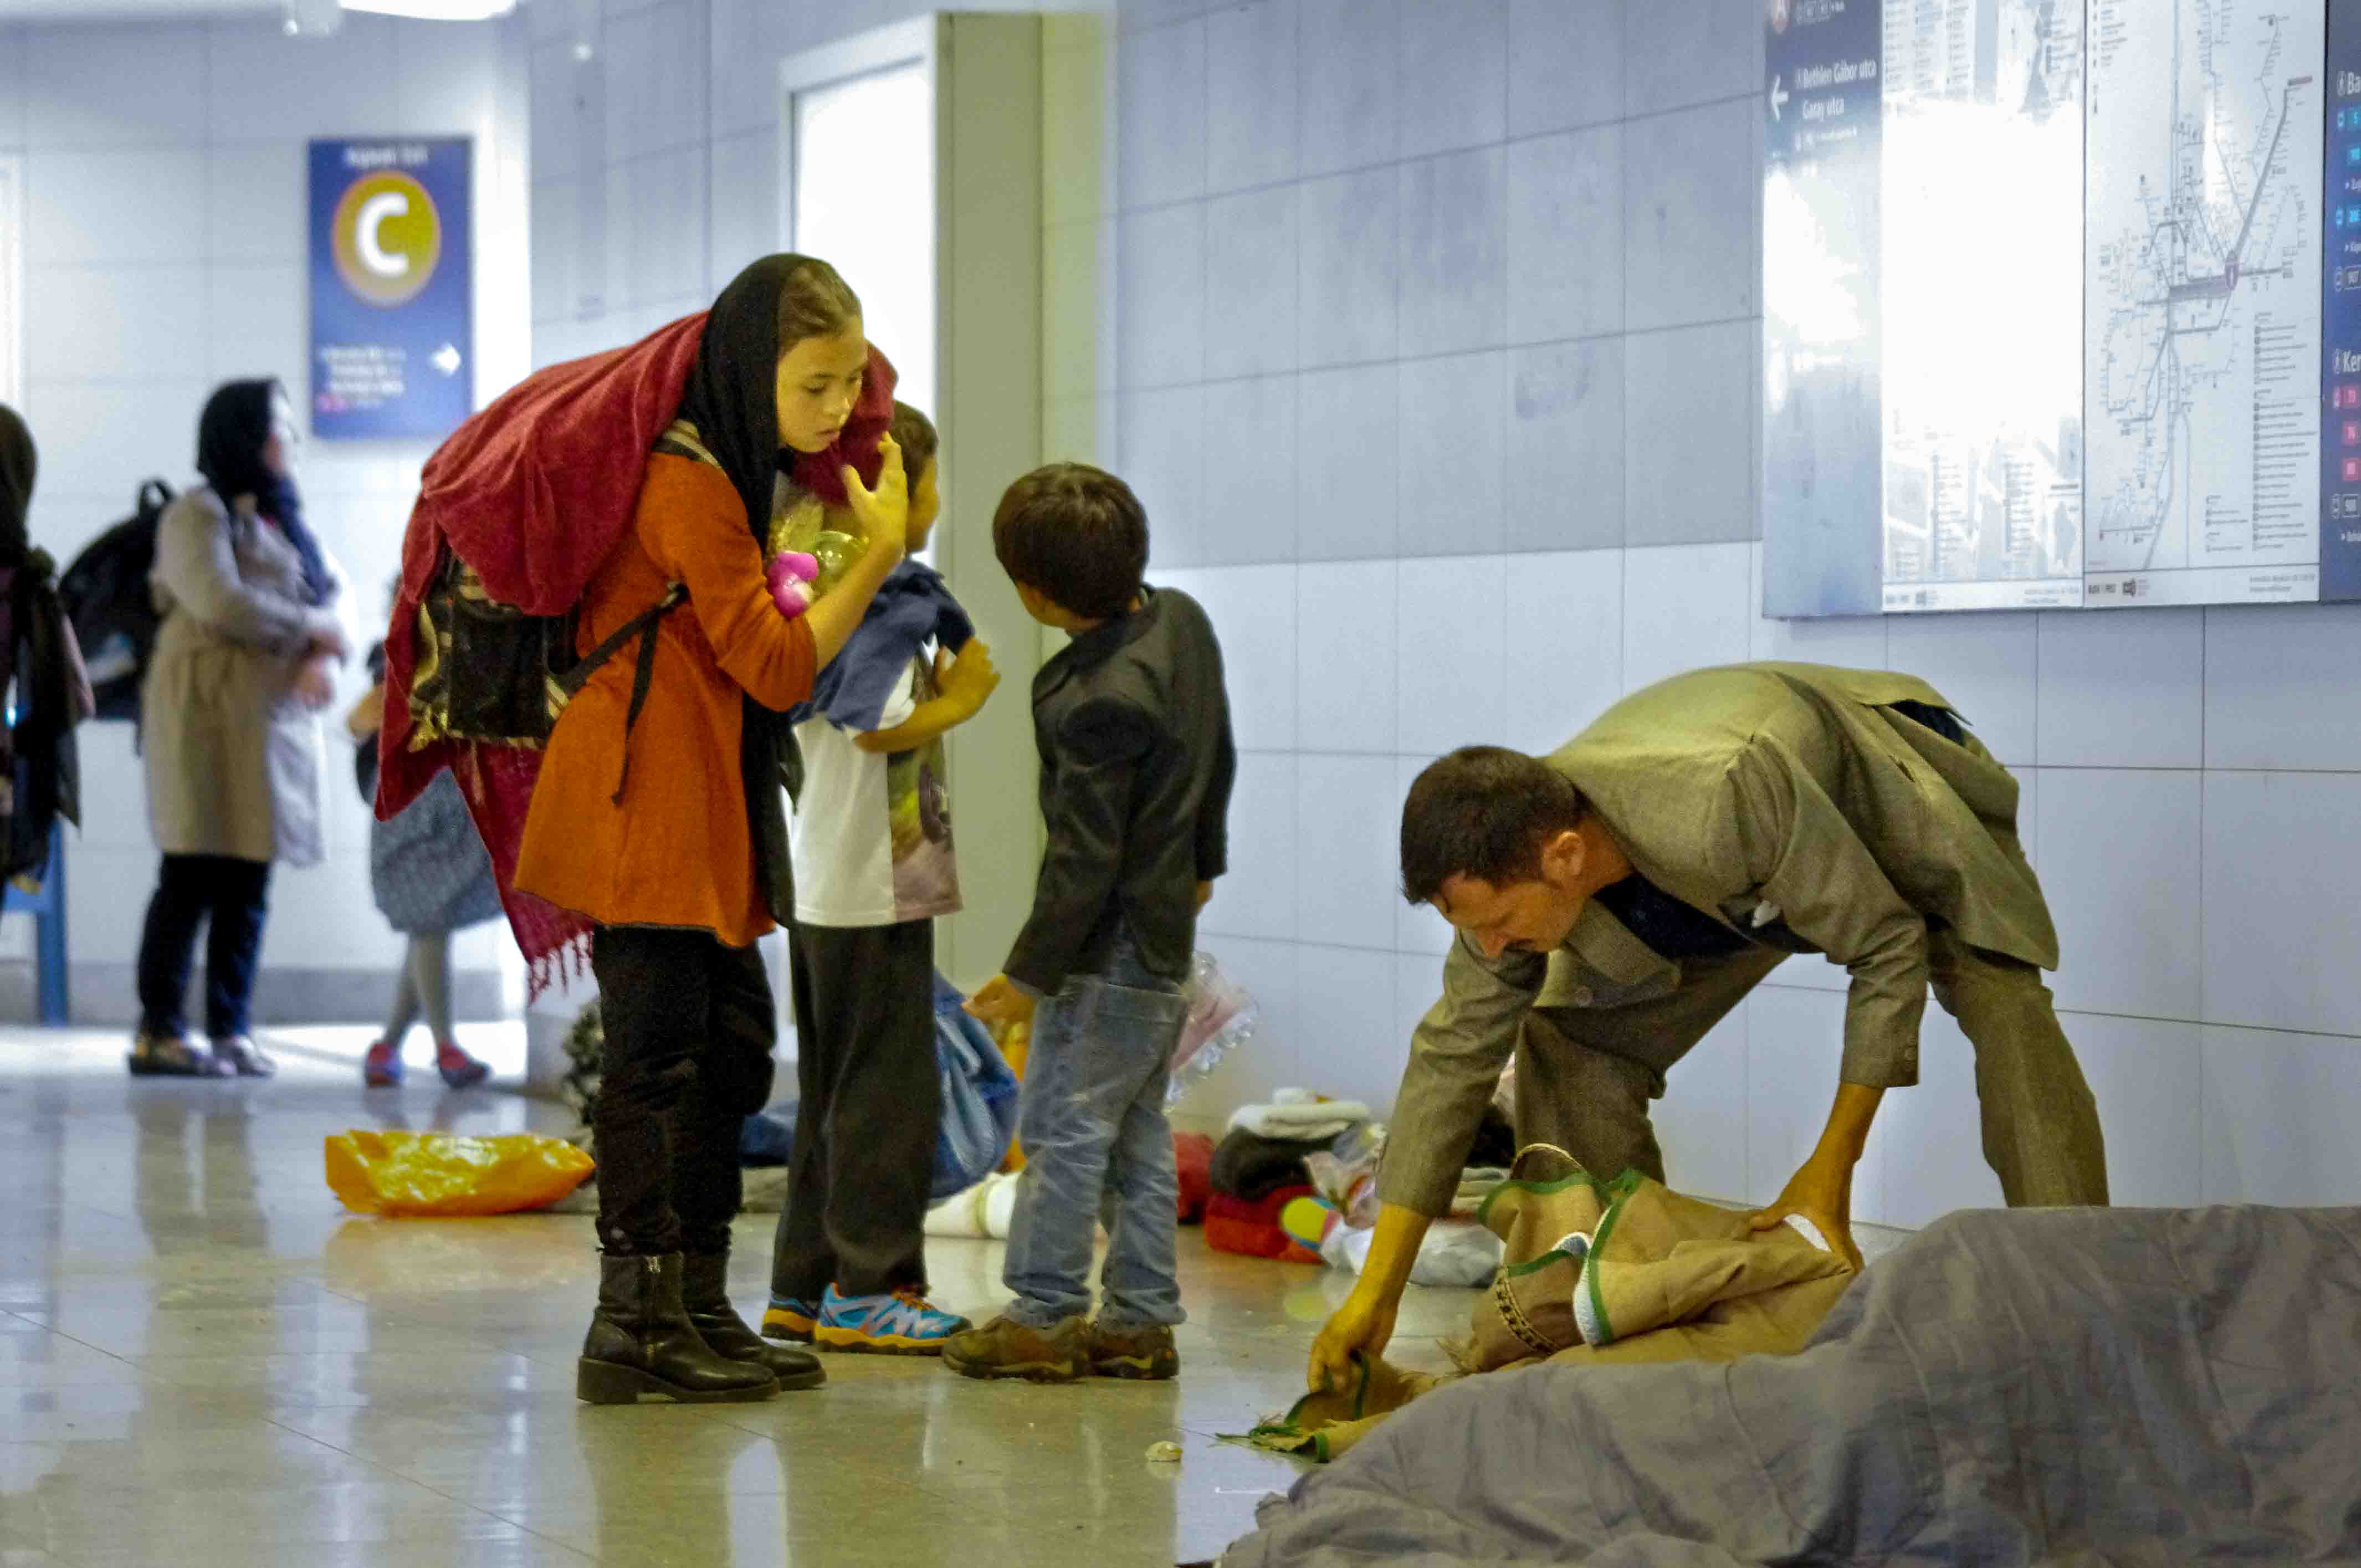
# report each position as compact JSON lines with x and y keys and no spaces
{"x":48,"y":908}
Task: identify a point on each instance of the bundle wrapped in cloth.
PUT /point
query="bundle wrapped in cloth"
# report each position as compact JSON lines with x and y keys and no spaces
{"x":1600,"y":1273}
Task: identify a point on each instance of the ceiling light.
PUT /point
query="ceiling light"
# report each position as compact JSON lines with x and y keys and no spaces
{"x":312,"y":18}
{"x":436,"y":10}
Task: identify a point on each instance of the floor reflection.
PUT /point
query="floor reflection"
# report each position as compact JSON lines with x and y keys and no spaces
{"x":203,"y":1359}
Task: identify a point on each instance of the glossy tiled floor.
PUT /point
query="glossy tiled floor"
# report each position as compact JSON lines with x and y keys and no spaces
{"x":204,"y":1359}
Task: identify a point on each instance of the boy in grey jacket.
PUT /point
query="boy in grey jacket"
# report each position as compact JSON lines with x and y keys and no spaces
{"x":1136,"y":767}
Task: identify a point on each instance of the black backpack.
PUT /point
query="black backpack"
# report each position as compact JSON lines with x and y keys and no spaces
{"x":106,"y":596}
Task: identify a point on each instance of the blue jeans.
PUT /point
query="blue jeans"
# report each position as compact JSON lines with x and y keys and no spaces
{"x":1095,"y":1139}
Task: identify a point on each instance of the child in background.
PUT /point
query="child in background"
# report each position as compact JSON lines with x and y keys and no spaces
{"x":430,"y":876}
{"x":873,"y":867}
{"x":1137,"y":765}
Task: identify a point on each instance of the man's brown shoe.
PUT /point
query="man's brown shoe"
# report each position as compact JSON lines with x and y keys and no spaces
{"x":1144,"y":1352}
{"x":1006,"y":1348}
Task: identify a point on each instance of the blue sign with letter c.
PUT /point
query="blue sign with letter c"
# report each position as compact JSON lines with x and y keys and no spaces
{"x":392,"y":294}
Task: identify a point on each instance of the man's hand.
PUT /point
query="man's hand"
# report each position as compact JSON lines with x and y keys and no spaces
{"x":1363,"y":1326}
{"x":1821,"y":1192}
{"x":884,"y":512}
{"x":1204,"y":896}
{"x":969,"y":678}
{"x":1001,"y":1003}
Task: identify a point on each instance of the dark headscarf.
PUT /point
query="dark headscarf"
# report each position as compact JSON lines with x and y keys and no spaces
{"x":17,"y":463}
{"x":230,"y":438}
{"x":733,"y":398}
{"x":732,"y":395}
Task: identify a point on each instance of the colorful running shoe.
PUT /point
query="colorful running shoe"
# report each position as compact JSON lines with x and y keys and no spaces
{"x":794,"y":1318}
{"x":903,"y":1323}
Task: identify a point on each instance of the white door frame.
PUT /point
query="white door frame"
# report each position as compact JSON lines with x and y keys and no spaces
{"x":917,"y":41}
{"x":983,"y":74}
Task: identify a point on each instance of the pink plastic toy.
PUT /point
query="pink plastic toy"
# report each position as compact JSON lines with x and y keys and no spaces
{"x":791,"y":575}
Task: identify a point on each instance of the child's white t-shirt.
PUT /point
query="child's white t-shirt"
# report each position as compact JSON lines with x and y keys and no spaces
{"x":871,"y":835}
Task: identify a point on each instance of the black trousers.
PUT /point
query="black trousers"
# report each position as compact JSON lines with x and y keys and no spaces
{"x":235,"y":896}
{"x":871,"y":1110}
{"x":689,"y":1031}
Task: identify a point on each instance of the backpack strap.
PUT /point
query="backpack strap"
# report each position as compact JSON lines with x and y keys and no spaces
{"x":643,"y":626}
{"x":680,"y":439}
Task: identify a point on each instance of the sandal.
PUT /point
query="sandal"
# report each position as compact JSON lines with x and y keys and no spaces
{"x":172,"y":1056}
{"x":243,"y":1057}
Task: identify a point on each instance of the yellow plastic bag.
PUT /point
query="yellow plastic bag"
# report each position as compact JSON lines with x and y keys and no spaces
{"x":443,"y":1174}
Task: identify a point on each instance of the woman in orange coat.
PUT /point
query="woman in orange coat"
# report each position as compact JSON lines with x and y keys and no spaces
{"x":658,"y":817}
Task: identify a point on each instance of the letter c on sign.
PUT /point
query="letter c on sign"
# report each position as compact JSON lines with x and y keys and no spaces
{"x":386,"y":238}
{"x":372,"y":216}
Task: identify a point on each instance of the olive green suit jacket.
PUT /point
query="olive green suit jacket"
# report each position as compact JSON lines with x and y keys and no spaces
{"x":1789,"y":802}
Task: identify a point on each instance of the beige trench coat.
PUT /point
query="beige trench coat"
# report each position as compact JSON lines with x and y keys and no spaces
{"x":233,"y":760}
{"x":1787,"y":800}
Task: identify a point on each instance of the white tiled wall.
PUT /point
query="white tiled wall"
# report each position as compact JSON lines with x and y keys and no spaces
{"x":1516,"y":307}
{"x":166,"y":252}
{"x":672,"y":107}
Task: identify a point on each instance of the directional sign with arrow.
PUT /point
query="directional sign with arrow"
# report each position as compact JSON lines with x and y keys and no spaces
{"x":391,"y":288}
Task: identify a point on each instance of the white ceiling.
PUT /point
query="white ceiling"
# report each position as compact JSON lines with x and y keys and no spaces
{"x":123,"y":10}
{"x":132,"y":10}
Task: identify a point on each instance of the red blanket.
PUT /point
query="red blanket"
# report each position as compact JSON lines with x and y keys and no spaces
{"x":534,"y":493}
{"x":1233,"y":1224}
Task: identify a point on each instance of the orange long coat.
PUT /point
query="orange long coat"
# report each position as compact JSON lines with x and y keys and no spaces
{"x":675,"y":853}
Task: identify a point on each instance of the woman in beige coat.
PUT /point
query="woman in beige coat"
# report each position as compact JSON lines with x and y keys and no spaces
{"x":230,"y":727}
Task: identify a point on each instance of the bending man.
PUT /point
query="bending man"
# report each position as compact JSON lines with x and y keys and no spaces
{"x":1616,"y":899}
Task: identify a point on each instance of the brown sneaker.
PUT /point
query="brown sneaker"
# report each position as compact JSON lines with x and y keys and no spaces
{"x":1006,"y":1348}
{"x":1145,"y":1353}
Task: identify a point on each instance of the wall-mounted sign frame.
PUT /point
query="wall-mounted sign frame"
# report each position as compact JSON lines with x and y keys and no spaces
{"x":392,"y":287}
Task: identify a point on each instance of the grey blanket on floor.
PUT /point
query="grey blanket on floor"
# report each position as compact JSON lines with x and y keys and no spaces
{"x":2061,"y":1387}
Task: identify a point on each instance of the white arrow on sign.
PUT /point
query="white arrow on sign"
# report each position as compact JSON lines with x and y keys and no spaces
{"x":446,"y":360}
{"x":1778,"y":96}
